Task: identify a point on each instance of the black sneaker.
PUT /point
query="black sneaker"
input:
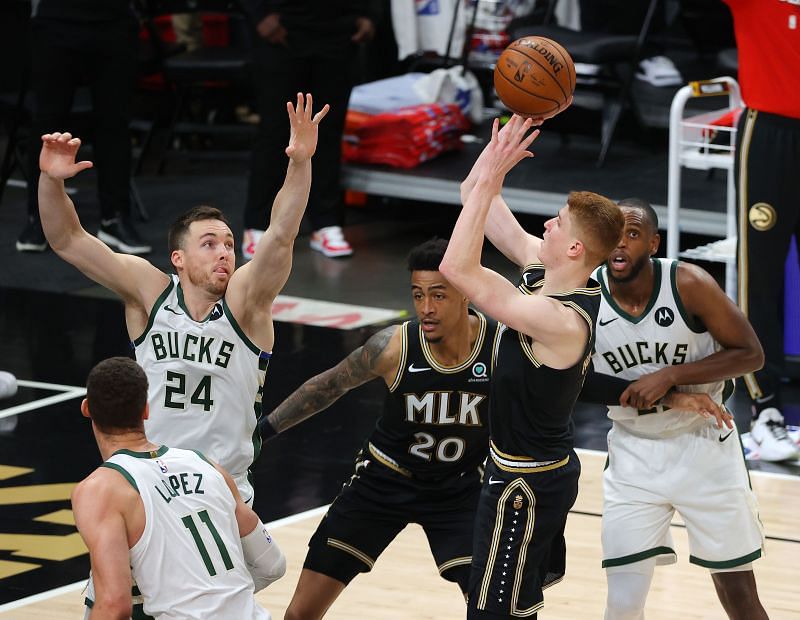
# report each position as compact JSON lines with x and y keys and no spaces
{"x":32,"y":238}
{"x":120,"y":234}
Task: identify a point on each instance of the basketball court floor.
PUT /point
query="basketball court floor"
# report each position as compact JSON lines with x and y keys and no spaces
{"x":54,"y":325}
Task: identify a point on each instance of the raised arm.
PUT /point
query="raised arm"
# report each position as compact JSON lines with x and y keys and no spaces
{"x":502,"y":228}
{"x":101,"y":523}
{"x":254,"y":286}
{"x":134,"y":279}
{"x":378,"y":357}
{"x":553,"y":325}
{"x":740,"y":352}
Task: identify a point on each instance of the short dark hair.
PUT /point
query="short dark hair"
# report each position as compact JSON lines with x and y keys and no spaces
{"x":427,"y":256}
{"x":180,"y":226}
{"x":600,"y":224}
{"x":649,"y":212}
{"x":116,"y":390}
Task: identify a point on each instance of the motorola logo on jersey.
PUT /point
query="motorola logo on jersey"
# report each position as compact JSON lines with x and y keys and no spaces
{"x":762,"y":216}
{"x":216,"y":313}
{"x":664,"y":316}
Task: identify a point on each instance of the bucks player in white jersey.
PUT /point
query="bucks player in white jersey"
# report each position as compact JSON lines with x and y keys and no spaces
{"x":203,"y":336}
{"x":169,"y":516}
{"x":667,"y":324}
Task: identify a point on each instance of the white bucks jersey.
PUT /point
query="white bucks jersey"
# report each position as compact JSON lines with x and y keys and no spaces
{"x":206,"y":379}
{"x":663,"y":335}
{"x":188,"y":563}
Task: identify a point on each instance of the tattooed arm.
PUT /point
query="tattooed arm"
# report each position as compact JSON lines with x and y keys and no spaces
{"x":378,"y":357}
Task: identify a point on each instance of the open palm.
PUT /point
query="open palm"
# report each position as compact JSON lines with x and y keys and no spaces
{"x":57,"y":159}
{"x":303,"y":128}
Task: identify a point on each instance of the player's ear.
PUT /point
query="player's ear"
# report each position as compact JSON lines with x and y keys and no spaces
{"x":576,"y":248}
{"x":146,"y":412}
{"x":85,"y":409}
{"x":176,"y":258}
{"x":655,"y":242}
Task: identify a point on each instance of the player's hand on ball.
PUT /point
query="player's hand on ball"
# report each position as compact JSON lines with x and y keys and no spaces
{"x":303,"y":127}
{"x":57,"y":159}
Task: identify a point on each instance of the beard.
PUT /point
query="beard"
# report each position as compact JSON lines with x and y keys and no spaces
{"x":434,"y":339}
{"x":636,"y":269}
{"x":201,"y":279}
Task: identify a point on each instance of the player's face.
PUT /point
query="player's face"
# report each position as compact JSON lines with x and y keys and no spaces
{"x":438,"y":304}
{"x":208,"y":255}
{"x":639,"y":242}
{"x":556,"y":238}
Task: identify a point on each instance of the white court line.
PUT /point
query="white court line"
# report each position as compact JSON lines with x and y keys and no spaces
{"x":56,"y":387}
{"x":43,"y":596}
{"x":79,"y":585}
{"x":43,"y":402}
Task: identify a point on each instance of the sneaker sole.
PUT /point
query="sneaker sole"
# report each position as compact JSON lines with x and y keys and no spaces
{"x":123,"y":247}
{"x":330,"y":253}
{"x":31,"y":247}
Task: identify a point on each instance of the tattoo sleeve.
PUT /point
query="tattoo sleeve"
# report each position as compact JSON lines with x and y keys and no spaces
{"x":322,"y":390}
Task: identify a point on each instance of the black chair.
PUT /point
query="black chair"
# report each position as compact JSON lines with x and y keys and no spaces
{"x":202,"y":70}
{"x":618,"y":55}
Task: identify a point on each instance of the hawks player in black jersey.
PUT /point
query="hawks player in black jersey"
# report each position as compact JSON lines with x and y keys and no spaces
{"x":422,"y":463}
{"x":531,"y":479}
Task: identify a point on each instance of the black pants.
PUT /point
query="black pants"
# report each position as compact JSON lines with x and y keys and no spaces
{"x":768,"y":197}
{"x":279,"y":74}
{"x":103,"y":55}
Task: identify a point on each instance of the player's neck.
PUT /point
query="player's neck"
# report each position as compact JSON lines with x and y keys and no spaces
{"x":198,"y":301}
{"x":565,"y":277}
{"x":634,"y":296}
{"x":455,"y":348}
{"x":135,"y":441}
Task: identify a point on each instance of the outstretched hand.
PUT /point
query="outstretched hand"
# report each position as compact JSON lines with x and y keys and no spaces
{"x":507,"y":148}
{"x":303,"y":132}
{"x":642,"y":393}
{"x":57,"y":159}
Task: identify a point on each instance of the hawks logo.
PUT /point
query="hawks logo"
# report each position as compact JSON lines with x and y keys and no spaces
{"x":762,"y":216}
{"x":665,"y":317}
{"x":517,"y":502}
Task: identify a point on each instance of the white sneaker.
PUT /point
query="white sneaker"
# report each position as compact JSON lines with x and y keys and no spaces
{"x":659,"y":71}
{"x":249,"y":242}
{"x":8,"y":387}
{"x":769,"y":432}
{"x":8,"y":384}
{"x":331,"y":242}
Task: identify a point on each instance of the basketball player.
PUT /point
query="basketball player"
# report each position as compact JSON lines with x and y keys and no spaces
{"x":669,"y":324}
{"x":422,"y":462}
{"x":541,"y":359}
{"x":768,"y":196}
{"x":205,"y":336}
{"x":172,"y":517}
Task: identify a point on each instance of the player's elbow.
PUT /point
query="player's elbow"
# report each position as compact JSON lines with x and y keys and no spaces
{"x":114,"y":606}
{"x":756,"y":357}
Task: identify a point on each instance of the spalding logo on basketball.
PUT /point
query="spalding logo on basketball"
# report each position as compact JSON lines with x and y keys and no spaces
{"x":535,"y":77}
{"x":762,"y":216}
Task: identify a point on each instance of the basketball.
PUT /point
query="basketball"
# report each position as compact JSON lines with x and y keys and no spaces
{"x":535,"y":77}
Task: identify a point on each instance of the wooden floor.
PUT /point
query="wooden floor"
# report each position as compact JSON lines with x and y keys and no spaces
{"x":405,"y":584}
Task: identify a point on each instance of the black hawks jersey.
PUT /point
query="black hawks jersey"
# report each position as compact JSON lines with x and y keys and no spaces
{"x":435,"y":418}
{"x":531,"y":404}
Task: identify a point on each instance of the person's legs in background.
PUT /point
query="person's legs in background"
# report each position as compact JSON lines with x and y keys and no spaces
{"x":331,"y":83}
{"x":278,"y":75}
{"x":55,"y":70}
{"x":768,"y":151}
{"x":112,"y":80}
